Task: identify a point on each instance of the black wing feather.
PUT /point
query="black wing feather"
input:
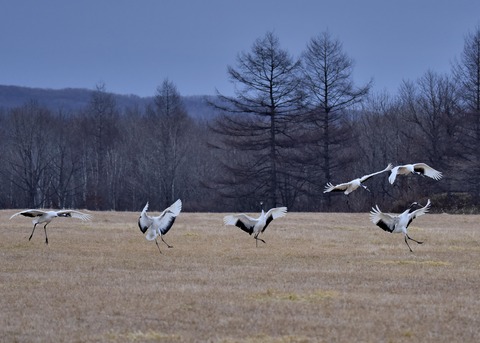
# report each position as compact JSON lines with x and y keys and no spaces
{"x":242,"y":226}
{"x":268,"y":221}
{"x":143,"y":229}
{"x":419,"y":169}
{"x":169,"y":225}
{"x":384,"y":226}
{"x":411,"y":220}
{"x":28,"y":214}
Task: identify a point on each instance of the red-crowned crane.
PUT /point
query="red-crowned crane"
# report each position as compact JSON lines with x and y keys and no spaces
{"x":41,"y":216}
{"x":255,"y":226}
{"x":159,"y":225}
{"x":399,"y":223}
{"x":414,"y":168}
{"x":349,"y":187}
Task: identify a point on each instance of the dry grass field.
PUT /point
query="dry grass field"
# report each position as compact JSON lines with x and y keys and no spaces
{"x":319,"y":278}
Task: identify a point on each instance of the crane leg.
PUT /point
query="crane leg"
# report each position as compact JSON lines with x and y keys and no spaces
{"x":46,"y":237}
{"x":408,"y":244}
{"x":170,"y":246}
{"x":410,"y":238}
{"x":158,"y":246}
{"x":258,"y":239}
{"x":34,"y":226}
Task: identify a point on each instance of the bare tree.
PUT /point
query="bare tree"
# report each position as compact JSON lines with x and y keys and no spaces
{"x":65,"y":166}
{"x":101,"y":132}
{"x":256,"y":126}
{"x":29,"y":156}
{"x":430,"y":110}
{"x":5,"y":194}
{"x":379,"y":139}
{"x":169,"y":131}
{"x":467,"y":75}
{"x":136,"y":149}
{"x":467,"y":72}
{"x":328,"y":82}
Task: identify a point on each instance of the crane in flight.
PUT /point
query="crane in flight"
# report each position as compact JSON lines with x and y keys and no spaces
{"x":414,"y":168}
{"x":349,"y":187}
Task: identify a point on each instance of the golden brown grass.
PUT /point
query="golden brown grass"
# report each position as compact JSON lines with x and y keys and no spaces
{"x":319,"y":278}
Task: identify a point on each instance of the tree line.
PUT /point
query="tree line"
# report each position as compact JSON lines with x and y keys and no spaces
{"x":293,"y":124}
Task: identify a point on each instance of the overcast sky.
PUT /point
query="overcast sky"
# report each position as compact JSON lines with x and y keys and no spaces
{"x":133,"y":45}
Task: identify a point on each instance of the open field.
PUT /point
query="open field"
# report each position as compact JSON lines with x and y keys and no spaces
{"x":320,"y":278}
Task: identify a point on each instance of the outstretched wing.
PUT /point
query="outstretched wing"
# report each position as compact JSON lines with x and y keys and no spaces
{"x":329,"y":187}
{"x":419,"y":212}
{"x":242,"y":221}
{"x":175,"y":208}
{"x":426,"y":170}
{"x":74,"y":214}
{"x":144,"y":221}
{"x":393,"y":174}
{"x":29,"y":213}
{"x":366,"y":177}
{"x":165,"y":221}
{"x":385,"y":221}
{"x":274,"y":213}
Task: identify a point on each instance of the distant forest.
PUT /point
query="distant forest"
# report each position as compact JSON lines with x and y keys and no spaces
{"x":293,"y":125}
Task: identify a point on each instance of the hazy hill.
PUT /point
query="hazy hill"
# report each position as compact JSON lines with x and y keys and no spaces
{"x":75,"y":99}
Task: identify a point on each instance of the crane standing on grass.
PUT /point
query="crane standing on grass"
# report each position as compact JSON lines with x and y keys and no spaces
{"x":46,"y":217}
{"x":255,"y":225}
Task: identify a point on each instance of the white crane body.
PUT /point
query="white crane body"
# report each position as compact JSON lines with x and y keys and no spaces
{"x":349,"y":187}
{"x":414,"y":168}
{"x":398,"y":223}
{"x":155,"y":226}
{"x":41,"y":216}
{"x":252,"y":225}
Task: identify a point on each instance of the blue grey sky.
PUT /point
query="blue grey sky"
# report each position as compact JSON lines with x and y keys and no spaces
{"x":133,"y":45}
